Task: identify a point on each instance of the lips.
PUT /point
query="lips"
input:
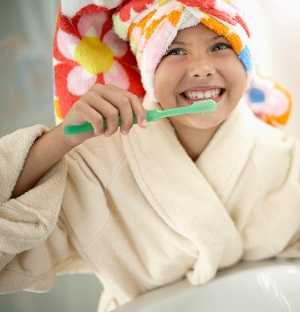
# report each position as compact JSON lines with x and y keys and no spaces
{"x":216,"y":96}
{"x":202,"y":89}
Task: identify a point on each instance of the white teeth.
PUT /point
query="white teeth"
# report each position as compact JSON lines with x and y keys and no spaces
{"x":202,"y":95}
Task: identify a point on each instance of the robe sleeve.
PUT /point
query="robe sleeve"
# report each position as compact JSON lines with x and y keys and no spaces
{"x":292,"y":248}
{"x":34,"y":241}
{"x":270,"y":221}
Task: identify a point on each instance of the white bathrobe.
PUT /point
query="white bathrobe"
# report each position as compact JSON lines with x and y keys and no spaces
{"x":138,"y":212}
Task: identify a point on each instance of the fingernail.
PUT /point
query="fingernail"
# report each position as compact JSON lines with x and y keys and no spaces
{"x":144,"y":123}
{"x":95,"y":130}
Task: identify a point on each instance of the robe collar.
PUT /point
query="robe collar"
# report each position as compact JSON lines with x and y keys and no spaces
{"x":191,"y":196}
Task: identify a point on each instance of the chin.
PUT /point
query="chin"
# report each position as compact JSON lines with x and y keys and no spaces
{"x":197,"y":123}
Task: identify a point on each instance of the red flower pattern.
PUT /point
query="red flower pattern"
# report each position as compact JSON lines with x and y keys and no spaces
{"x":209,"y":7}
{"x":70,"y":75}
{"x":137,"y":5}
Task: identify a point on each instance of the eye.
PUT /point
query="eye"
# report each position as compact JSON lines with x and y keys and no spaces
{"x":221,"y":46}
{"x":173,"y":51}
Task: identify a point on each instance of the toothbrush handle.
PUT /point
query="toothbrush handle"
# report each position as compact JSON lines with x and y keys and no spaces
{"x":151,"y":115}
{"x":87,"y":126}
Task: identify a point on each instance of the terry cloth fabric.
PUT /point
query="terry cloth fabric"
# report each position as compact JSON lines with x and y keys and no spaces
{"x":88,"y":49}
{"x":101,"y":209}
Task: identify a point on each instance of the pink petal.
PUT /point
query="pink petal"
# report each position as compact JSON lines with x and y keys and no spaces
{"x":117,"y":45}
{"x":80,"y":81}
{"x":91,"y":25}
{"x":66,"y":43}
{"x":117,"y":76}
{"x":70,"y":8}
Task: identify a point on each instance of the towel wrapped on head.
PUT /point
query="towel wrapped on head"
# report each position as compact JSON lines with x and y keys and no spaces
{"x":122,"y":43}
{"x":152,"y":28}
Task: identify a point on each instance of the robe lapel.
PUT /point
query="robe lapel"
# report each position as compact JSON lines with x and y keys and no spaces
{"x":179,"y":191}
{"x":227,"y":153}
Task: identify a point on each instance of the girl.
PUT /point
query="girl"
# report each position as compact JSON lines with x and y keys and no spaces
{"x":182,"y":197}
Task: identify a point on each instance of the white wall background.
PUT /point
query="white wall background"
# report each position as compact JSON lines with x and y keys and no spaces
{"x":275,"y":27}
{"x":26,"y":28}
{"x":284,"y":26}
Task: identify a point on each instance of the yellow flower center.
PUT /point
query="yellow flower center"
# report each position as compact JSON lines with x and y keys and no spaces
{"x":93,"y":55}
{"x":162,"y":2}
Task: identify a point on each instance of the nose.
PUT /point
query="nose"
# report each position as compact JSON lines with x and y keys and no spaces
{"x":201,"y":70}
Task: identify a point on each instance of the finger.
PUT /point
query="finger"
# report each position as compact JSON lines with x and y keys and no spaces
{"x":112,"y":119}
{"x":118,"y":98}
{"x":91,"y":115}
{"x":126,"y":113}
{"x":139,"y":110}
{"x":106,"y":109}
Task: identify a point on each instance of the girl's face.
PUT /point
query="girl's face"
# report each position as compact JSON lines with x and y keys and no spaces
{"x":199,"y":64}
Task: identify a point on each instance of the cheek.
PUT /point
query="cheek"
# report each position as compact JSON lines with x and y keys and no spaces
{"x":158,"y":81}
{"x":236,"y":76}
{"x":163,"y":84}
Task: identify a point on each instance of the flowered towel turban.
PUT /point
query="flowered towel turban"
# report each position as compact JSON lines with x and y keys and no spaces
{"x":122,"y":42}
{"x":151,"y":26}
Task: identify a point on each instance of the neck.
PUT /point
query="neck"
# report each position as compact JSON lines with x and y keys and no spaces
{"x":194,"y":141}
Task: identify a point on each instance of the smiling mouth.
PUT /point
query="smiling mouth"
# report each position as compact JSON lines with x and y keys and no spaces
{"x":191,"y":97}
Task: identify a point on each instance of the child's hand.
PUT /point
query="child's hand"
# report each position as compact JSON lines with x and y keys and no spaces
{"x":104,"y":101}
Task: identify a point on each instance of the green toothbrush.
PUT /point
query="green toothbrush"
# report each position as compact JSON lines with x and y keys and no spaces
{"x":152,"y":115}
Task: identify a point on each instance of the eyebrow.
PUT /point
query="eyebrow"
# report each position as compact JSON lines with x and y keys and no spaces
{"x":186,"y":43}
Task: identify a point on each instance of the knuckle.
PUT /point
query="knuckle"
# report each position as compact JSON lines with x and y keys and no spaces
{"x":112,"y":126}
{"x":110,"y":87}
{"x":80,"y":103}
{"x":92,"y":94}
{"x":128,"y":119}
{"x":110,"y":130}
{"x":127,"y":126}
{"x":127,"y":101}
{"x":97,"y":119}
{"x":78,"y":108}
{"x":112,"y":114}
{"x":97,"y":122}
{"x":135,"y":97}
{"x":97,"y":86}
